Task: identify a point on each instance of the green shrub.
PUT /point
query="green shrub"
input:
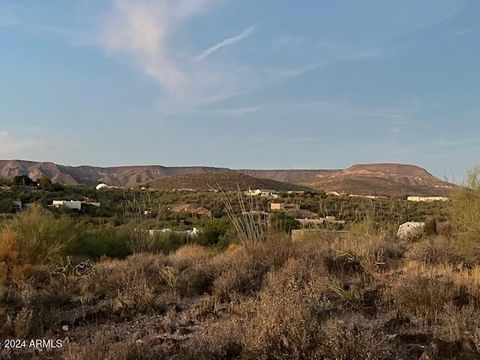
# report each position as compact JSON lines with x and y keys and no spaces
{"x":36,"y":237}
{"x":100,"y":241}
{"x":216,"y":232}
{"x":465,"y":214}
{"x":284,"y":223}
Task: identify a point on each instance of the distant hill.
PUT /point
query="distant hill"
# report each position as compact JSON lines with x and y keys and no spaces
{"x":382,"y":179}
{"x":228,"y":180}
{"x":365,"y":179}
{"x":289,"y":176}
{"x":123,"y":176}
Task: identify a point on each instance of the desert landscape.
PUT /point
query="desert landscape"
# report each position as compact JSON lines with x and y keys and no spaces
{"x":239,"y":180}
{"x":181,"y":268}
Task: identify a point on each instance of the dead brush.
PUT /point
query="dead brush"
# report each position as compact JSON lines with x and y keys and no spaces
{"x":354,"y":255}
{"x":284,"y":321}
{"x":459,"y":325}
{"x":189,"y":255}
{"x":423,"y":290}
{"x":109,"y":277}
{"x":353,"y":338}
{"x":135,"y":295}
{"x":436,"y":251}
{"x":106,"y":346}
{"x":243,"y":272}
{"x":170,"y":276}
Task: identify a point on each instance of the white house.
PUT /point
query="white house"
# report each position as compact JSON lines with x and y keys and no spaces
{"x":101,"y":186}
{"x":427,"y":198}
{"x":262,"y":193}
{"x":69,"y":204}
{"x":190,"y":233}
{"x":334,"y":193}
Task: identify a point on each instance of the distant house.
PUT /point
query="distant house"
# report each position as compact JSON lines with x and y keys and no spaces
{"x":183,"y":208}
{"x":69,"y":204}
{"x":311,"y":222}
{"x":190,"y":233}
{"x":427,"y":198}
{"x":266,"y":193}
{"x":274,"y":206}
{"x":334,"y":193}
{"x":308,"y":223}
{"x":373,"y":197}
{"x":191,"y":209}
{"x":101,"y":186}
{"x":73,"y":204}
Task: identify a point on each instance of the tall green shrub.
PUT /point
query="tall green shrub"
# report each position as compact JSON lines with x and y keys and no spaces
{"x":36,"y":237}
{"x":465,"y":212}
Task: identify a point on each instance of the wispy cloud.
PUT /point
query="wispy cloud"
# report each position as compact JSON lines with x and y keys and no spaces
{"x":224,"y":43}
{"x":240,"y":111}
{"x":142,"y":32}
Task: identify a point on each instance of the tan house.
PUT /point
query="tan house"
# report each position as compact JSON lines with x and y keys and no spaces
{"x":275,"y":206}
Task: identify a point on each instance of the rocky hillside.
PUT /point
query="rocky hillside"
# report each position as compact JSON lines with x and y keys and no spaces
{"x":124,"y":176}
{"x":365,"y":179}
{"x":382,"y":179}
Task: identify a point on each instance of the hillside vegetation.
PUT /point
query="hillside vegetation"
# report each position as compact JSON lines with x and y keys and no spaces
{"x":227,"y":181}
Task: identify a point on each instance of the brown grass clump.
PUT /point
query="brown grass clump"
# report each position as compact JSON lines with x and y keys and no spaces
{"x":286,"y":319}
{"x":195,"y":273}
{"x":366,"y":255}
{"x":353,"y":337}
{"x":424,"y":290}
{"x":190,"y":254}
{"x":435,"y":250}
{"x":219,"y":340}
{"x":242,"y":272}
{"x":103,"y":347}
{"x":31,"y":307}
{"x":128,"y":285}
{"x":461,"y":326}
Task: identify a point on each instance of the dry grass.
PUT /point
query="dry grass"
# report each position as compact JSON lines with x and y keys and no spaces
{"x":354,"y":337}
{"x":423,"y":290}
{"x":460,"y":325}
{"x":368,"y":254}
{"x":354,"y":297}
{"x":286,"y":319}
{"x":436,"y":250}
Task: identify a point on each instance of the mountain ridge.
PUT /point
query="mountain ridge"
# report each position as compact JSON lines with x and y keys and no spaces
{"x":391,"y":179}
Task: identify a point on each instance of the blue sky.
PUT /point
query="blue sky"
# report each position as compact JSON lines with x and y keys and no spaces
{"x":241,"y":84}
